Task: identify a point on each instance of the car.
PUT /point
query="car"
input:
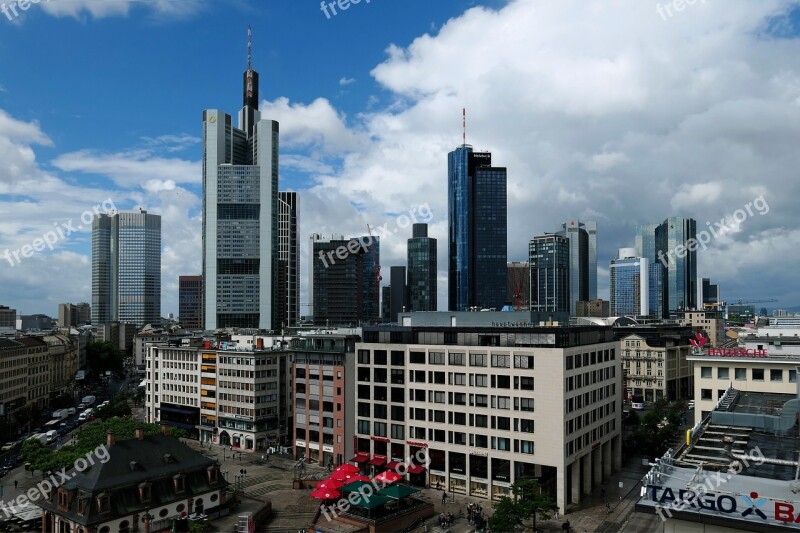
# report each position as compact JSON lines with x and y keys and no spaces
{"x":691,"y":404}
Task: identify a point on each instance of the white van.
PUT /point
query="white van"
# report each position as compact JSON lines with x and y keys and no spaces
{"x":51,"y":435}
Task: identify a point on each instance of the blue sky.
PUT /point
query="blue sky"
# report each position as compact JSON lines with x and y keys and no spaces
{"x":606,"y":111}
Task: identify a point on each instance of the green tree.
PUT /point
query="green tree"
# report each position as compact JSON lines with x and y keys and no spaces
{"x":102,"y":356}
{"x":528,"y":499}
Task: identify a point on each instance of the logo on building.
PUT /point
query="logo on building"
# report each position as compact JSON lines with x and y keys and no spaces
{"x":698,"y":342}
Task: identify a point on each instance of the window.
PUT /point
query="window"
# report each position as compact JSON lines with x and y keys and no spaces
{"x":481,"y":400}
{"x":380,"y":357}
{"x":103,"y":503}
{"x":398,"y":431}
{"x":758,"y":374}
{"x":792,"y":376}
{"x":460,"y":398}
{"x":363,"y":357}
{"x":705,"y":371}
{"x":740,"y":373}
{"x":398,"y":358}
{"x":477,"y":359}
{"x":459,"y":379}
{"x":363,"y":427}
{"x":436,"y":358}
{"x":461,"y":419}
{"x":776,"y":374}
{"x":481,"y":380}
{"x":456,"y":359}
{"x":526,"y":446}
{"x":526,"y":426}
{"x":504,"y":423}
{"x":503,"y":402}
{"x":501,"y":361}
{"x":526,"y":382}
{"x":380,"y":429}
{"x":438,"y":397}
{"x":417,"y":358}
{"x":705,"y":394}
{"x":504,"y":444}
{"x":481,"y":421}
{"x":526,"y":404}
{"x":481,"y":441}
{"x":523,"y":361}
{"x":723,"y":373}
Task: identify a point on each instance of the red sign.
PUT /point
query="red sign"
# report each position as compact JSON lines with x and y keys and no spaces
{"x":419,"y":444}
{"x":380,"y":439}
{"x":735,"y":352}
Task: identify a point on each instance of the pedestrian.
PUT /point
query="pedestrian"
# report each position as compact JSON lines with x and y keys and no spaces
{"x":15,"y":484}
{"x":444,"y":497}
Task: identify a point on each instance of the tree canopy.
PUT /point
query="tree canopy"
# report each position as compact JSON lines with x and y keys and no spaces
{"x":528,"y":499}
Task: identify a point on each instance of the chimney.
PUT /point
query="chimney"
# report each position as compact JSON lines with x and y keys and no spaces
{"x":138,"y":433}
{"x":164,"y":429}
{"x":110,"y":439}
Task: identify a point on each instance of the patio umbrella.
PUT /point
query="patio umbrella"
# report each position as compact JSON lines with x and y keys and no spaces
{"x":339,"y":476}
{"x":397,"y":492}
{"x":388,"y":477}
{"x":329,"y":484}
{"x":346,"y":468}
{"x":356,"y":477}
{"x":355,"y":486}
{"x":325,"y":494}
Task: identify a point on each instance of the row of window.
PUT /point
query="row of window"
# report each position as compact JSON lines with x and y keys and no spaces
{"x":756,"y":374}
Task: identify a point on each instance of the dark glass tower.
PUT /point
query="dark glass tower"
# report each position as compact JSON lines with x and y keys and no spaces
{"x":346,"y":281}
{"x":679,"y":269}
{"x":190,"y":302}
{"x":582,"y":260}
{"x":548,"y":257}
{"x":101,"y":270}
{"x":422,"y":270}
{"x":477,"y":220}
{"x":287,"y":304}
{"x":398,"y":294}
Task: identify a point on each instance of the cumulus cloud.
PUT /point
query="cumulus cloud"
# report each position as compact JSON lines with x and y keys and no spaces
{"x":99,"y":9}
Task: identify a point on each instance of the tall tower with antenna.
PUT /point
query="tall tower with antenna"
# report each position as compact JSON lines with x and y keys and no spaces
{"x":240,"y":214}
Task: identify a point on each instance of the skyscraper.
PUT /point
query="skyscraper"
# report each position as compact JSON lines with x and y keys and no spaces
{"x":190,"y":302}
{"x":398,"y":293}
{"x":645,"y":241}
{"x":126,"y":268}
{"x":679,"y":264}
{"x":422,"y":270}
{"x":346,"y":280}
{"x":240,"y":208}
{"x":71,"y":315}
{"x":709,"y":293}
{"x":477,"y":219}
{"x":518,"y":285}
{"x":630,"y":284}
{"x":288,"y":280}
{"x":548,"y":257}
{"x":582,"y":260}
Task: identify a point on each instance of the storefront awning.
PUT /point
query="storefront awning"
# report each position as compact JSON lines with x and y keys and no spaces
{"x":416,"y":469}
{"x":392,"y":465}
{"x":378,"y":460}
{"x":361,"y":457}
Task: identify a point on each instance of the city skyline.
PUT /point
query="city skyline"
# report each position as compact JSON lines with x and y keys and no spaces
{"x":350,"y":169}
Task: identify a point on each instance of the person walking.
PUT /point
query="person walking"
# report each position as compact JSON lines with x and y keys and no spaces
{"x":444,"y":498}
{"x":15,"y":484}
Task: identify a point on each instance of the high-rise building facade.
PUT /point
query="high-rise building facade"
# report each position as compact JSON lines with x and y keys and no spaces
{"x":645,"y":241}
{"x":679,"y":264}
{"x":240,"y":206}
{"x":709,"y":293}
{"x":190,"y":302}
{"x":422,"y":270}
{"x":582,"y":260}
{"x":477,"y":220}
{"x":346,"y":281}
{"x":398,"y":293}
{"x":548,"y":257}
{"x":288,"y":279}
{"x":630,"y":284}
{"x":126,"y":268}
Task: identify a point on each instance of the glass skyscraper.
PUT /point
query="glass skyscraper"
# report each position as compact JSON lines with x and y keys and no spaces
{"x":477,"y":227}
{"x":679,"y":273}
{"x":422,"y":270}
{"x":126,"y":268}
{"x":287,"y":304}
{"x":240,"y":216}
{"x":630,"y":284}
{"x":582,"y":260}
{"x":548,"y":257}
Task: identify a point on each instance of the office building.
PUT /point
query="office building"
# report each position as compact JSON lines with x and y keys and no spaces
{"x":398,"y":292}
{"x":8,"y":317}
{"x":645,"y":241}
{"x":346,"y":283}
{"x":240,"y":213}
{"x":582,"y":238}
{"x":190,"y":302}
{"x":422,"y":270}
{"x":287,"y":305}
{"x":126,"y":268}
{"x":37,"y":322}
{"x":386,"y":300}
{"x":593,"y":309}
{"x":549,"y":260}
{"x":709,"y":293}
{"x":491,"y":405}
{"x":654,"y":362}
{"x":477,"y":225}
{"x":73,"y":316}
{"x":679,"y":263}
{"x":741,"y":314}
{"x":710,"y":324}
{"x":518,"y":285}
{"x":630,"y":287}
{"x":324,"y":393}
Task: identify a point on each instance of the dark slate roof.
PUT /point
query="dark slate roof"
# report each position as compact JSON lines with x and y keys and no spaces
{"x":6,"y":343}
{"x":120,"y":479}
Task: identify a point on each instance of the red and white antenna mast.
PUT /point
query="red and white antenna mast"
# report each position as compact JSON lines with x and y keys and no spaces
{"x":464,"y":125}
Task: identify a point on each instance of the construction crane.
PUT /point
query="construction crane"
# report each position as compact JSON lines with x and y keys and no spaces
{"x":742,"y":301}
{"x":376,"y":268}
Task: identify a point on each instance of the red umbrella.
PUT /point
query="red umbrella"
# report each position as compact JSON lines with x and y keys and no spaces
{"x":325,"y":494}
{"x":331,"y":484}
{"x":346,"y":468}
{"x":349,"y":478}
{"x":339,"y":476}
{"x":388,"y":477}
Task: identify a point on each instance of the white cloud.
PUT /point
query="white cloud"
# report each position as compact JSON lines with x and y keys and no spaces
{"x":130,"y":168}
{"x":99,"y":9}
{"x":346,"y":81}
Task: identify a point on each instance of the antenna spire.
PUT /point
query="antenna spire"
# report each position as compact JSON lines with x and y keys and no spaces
{"x":464,"y":125}
{"x":249,"y":48}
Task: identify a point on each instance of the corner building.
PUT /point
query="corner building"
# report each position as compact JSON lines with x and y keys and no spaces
{"x":491,"y":406}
